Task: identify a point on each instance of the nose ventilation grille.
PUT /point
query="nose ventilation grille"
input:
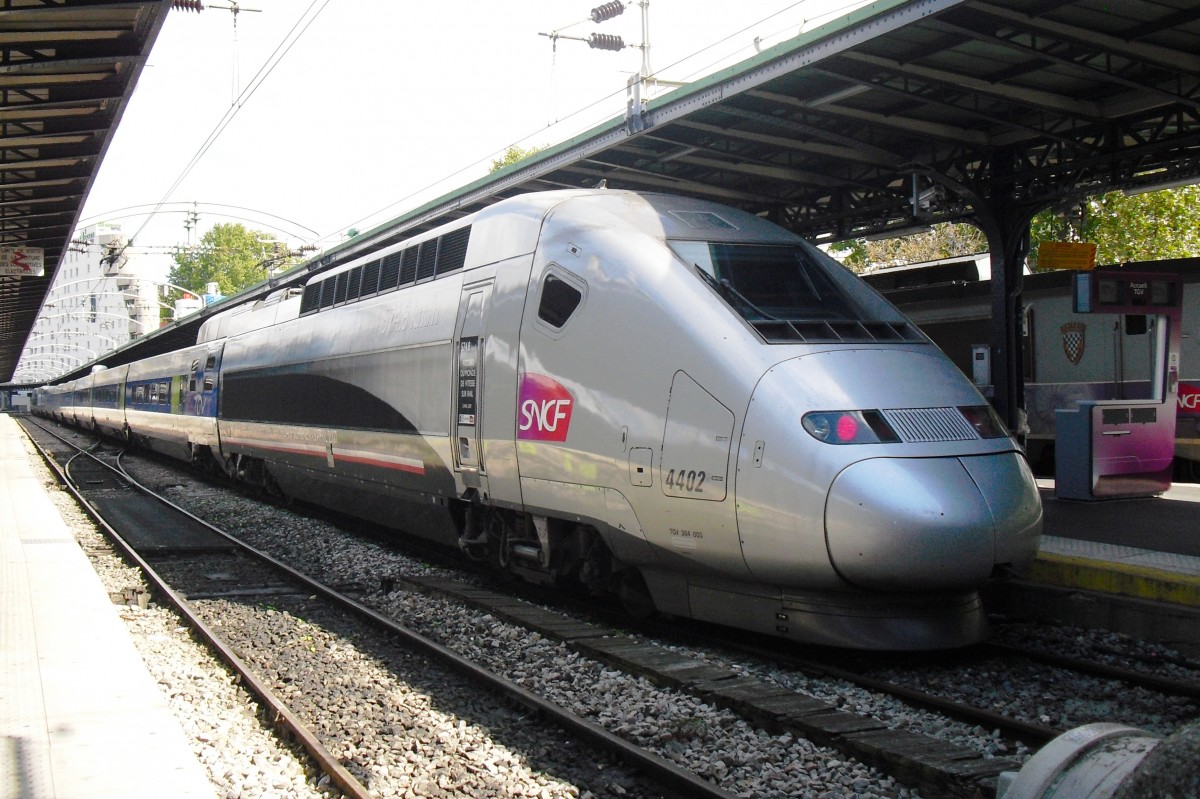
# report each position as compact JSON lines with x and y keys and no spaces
{"x":921,"y":425}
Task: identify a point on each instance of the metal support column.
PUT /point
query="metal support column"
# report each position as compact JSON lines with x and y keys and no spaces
{"x":1007,"y":231}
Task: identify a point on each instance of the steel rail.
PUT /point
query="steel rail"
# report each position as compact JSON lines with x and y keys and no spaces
{"x":282,"y":715}
{"x":681,"y":781}
{"x":1035,"y":735}
{"x":1164,"y":685}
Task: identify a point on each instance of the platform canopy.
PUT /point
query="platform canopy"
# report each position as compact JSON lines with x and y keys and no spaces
{"x":902,"y":114}
{"x":906,"y":114}
{"x":67,"y":70}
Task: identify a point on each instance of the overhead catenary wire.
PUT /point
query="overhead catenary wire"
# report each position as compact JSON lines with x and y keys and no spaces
{"x":190,"y":205}
{"x":579,"y":112}
{"x":259,"y":78}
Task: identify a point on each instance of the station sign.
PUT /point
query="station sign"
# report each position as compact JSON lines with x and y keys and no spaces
{"x":1053,"y":255}
{"x":1128,"y":292}
{"x":22,"y":262}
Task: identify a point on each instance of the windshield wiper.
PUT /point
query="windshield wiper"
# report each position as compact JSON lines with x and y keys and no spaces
{"x":730,"y":291}
{"x":732,"y":295}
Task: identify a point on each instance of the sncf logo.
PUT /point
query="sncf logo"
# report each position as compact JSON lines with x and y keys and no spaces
{"x":545,"y":410}
{"x":1189,"y":399}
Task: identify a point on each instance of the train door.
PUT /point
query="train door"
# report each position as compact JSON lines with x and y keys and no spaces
{"x":470,"y":344}
{"x":202,"y":384}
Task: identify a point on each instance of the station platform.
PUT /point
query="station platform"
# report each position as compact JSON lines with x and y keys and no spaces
{"x":80,"y":716}
{"x":1140,"y":548}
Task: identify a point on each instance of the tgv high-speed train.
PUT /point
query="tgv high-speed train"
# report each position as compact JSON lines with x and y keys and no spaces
{"x":649,"y":395}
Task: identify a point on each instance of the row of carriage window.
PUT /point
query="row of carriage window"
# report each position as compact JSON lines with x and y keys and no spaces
{"x":156,"y":392}
{"x":415,"y":264}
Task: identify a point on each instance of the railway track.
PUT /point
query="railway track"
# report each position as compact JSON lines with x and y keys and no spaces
{"x":939,"y":768}
{"x":905,"y":677}
{"x":244,"y":572}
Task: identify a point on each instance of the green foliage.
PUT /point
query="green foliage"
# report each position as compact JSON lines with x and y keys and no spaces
{"x":941,"y":241}
{"x":232,"y":256}
{"x":1144,"y":227}
{"x":511,"y":156}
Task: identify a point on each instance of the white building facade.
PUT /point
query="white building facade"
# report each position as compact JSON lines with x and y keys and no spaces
{"x":99,"y":301}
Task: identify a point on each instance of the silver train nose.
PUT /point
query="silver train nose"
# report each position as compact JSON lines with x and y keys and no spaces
{"x":901,"y":524}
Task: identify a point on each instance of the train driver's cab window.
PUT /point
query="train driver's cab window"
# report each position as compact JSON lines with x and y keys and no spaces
{"x":767,"y":283}
{"x":558,"y":301}
{"x":770,"y":281}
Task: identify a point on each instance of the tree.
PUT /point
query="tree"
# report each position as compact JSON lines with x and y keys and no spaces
{"x":1142,"y":227}
{"x":941,"y":241}
{"x":512,"y":155}
{"x":231,"y":256}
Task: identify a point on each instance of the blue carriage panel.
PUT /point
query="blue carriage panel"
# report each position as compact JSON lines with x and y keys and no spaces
{"x":200,"y":394}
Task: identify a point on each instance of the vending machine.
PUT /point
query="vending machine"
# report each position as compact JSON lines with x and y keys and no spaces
{"x":1120,"y":448}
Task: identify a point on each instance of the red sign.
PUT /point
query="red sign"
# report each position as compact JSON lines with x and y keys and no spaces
{"x":1189,"y":399}
{"x":545,"y":409}
{"x":22,"y":262}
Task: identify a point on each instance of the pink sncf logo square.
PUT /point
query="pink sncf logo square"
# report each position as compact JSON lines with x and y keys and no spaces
{"x":545,"y":409}
{"x":1189,"y":399}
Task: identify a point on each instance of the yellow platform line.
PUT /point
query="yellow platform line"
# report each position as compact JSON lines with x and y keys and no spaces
{"x":1125,"y":579}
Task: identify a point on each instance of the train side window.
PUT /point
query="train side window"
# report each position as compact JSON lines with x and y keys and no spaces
{"x":408,"y":268}
{"x":426,"y":259}
{"x":312,"y":298}
{"x":327,"y":293}
{"x":370,"y":279}
{"x":355,"y":287}
{"x":389,"y":276}
{"x":560,"y":298}
{"x":452,"y":250}
{"x":210,"y":361}
{"x":192,"y":381}
{"x":340,"y":286}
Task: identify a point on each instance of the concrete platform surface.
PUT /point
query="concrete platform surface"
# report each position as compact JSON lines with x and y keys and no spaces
{"x":80,"y":716}
{"x":1140,"y":548}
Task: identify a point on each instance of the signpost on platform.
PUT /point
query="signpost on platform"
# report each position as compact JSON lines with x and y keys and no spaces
{"x":1115,"y":448}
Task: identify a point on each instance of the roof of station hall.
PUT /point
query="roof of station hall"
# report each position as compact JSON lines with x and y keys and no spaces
{"x":67,"y":70}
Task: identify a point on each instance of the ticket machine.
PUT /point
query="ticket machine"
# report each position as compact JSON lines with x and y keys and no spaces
{"x":1120,"y":448}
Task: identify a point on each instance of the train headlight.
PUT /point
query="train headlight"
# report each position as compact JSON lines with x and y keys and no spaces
{"x":985,"y":421}
{"x":849,"y":427}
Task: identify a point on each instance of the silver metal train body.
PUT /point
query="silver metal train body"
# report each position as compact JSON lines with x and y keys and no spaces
{"x":651,"y":395}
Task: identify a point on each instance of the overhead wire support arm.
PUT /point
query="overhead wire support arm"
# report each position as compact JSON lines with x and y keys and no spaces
{"x":236,"y":8}
{"x":597,"y":41}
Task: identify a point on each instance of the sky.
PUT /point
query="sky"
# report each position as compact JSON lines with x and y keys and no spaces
{"x":308,"y":118}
